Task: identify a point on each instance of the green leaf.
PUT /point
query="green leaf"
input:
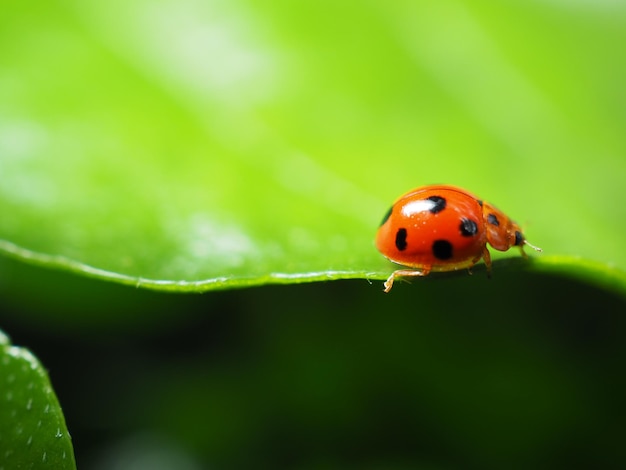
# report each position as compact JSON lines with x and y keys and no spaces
{"x":33,"y":433}
{"x":193,"y":145}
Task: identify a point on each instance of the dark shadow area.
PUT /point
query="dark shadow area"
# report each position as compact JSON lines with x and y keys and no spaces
{"x":519,"y":371}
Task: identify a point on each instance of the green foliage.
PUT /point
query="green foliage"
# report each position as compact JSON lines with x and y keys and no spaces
{"x":33,"y":434}
{"x":190,"y":146}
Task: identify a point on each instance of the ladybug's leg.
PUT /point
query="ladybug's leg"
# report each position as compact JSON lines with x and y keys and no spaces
{"x":522,"y":252}
{"x":487,"y":257}
{"x":405,"y":273}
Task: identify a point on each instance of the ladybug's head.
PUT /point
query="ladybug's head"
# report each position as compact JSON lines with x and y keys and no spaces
{"x":502,"y":232}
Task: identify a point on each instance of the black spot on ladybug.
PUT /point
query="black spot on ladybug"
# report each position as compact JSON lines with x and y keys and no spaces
{"x":480,"y":202}
{"x":442,"y":249}
{"x":468,"y":227}
{"x":401,"y":239}
{"x":387,"y":215}
{"x":493,"y":220}
{"x":440,"y":204}
{"x":519,"y":238}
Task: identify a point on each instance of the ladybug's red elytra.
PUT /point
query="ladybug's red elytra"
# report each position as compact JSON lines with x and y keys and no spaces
{"x":444,"y":228}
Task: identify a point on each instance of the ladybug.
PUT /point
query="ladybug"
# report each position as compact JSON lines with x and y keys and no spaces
{"x":444,"y":228}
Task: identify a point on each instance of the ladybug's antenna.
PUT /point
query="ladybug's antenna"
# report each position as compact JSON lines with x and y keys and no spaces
{"x":536,"y":248}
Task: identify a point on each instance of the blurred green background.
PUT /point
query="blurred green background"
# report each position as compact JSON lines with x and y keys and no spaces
{"x":192,"y":145}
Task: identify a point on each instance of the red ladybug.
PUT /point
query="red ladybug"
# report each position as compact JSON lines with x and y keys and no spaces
{"x":444,"y":228}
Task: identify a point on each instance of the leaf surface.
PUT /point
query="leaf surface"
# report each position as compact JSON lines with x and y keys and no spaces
{"x":193,"y":145}
{"x":33,"y":434}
